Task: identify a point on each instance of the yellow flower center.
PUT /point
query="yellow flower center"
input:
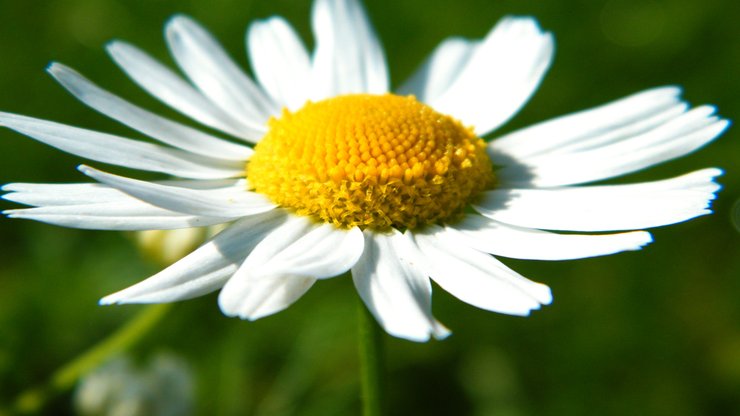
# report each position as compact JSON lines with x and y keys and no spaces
{"x":373,"y":161}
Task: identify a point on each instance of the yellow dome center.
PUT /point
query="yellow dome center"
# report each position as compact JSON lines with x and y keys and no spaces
{"x":373,"y":161}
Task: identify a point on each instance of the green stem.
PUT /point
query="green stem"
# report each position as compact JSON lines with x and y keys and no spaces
{"x":371,"y":363}
{"x":33,"y":400}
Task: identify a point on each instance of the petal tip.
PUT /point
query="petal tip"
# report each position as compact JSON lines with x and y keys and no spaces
{"x":723,"y":124}
{"x":714,"y":172}
{"x":115,"y":47}
{"x":674,"y":90}
{"x":108,"y":300}
{"x":440,"y":332}
{"x":54,"y":67}
{"x":178,"y":18}
{"x":87,"y":170}
{"x":542,"y":294}
{"x":182,"y":22}
{"x":646,"y":238}
{"x":177,"y":23}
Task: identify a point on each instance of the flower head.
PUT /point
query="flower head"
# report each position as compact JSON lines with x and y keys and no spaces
{"x":326,"y":171}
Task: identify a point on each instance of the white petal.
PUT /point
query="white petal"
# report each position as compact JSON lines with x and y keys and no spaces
{"x":131,"y":207}
{"x":204,"y":270}
{"x":209,"y":67}
{"x":120,"y":151}
{"x":95,"y":206}
{"x":654,"y":128}
{"x":348,"y":57}
{"x":323,"y":252}
{"x":506,"y":240}
{"x":440,"y":70}
{"x":154,"y":126}
{"x":234,"y":204}
{"x":38,"y":194}
{"x":45,"y":194}
{"x":286,"y":263}
{"x":280,"y":61}
{"x":101,"y":220}
{"x":397,"y":293}
{"x":172,"y":90}
{"x":477,"y":278}
{"x":606,"y":207}
{"x":500,"y":76}
{"x":602,"y":124}
{"x":302,"y":247}
{"x":265,"y":296}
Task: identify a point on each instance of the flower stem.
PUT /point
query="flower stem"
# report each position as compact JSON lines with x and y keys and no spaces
{"x":371,"y":363}
{"x":33,"y":400}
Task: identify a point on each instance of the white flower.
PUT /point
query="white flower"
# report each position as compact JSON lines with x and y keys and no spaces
{"x":361,"y":180}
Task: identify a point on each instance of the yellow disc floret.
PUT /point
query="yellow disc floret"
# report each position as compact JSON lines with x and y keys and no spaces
{"x":373,"y":161}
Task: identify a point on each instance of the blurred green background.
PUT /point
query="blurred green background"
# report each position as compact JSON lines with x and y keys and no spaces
{"x":655,"y":332}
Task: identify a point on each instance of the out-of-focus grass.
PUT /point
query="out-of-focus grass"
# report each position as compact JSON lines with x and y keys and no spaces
{"x":652,"y":333}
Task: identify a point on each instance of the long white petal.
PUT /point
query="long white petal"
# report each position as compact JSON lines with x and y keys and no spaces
{"x":598,"y":125}
{"x":478,"y":278}
{"x":131,"y":207}
{"x":48,"y":194}
{"x":171,"y":89}
{"x":500,"y":76}
{"x":506,"y":240}
{"x":210,"y":68}
{"x":101,"y":219}
{"x":397,"y":293}
{"x":606,"y":207}
{"x":440,"y":70}
{"x":37,"y":194}
{"x":662,"y":135}
{"x":348,"y":57}
{"x":204,"y":270}
{"x":120,"y":151}
{"x":280,"y":61}
{"x":288,"y":261}
{"x":159,"y":128}
{"x":119,"y":223}
{"x":234,"y":204}
{"x":98,"y":207}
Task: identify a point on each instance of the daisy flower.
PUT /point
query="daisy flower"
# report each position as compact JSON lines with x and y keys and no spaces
{"x":322,"y":170}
